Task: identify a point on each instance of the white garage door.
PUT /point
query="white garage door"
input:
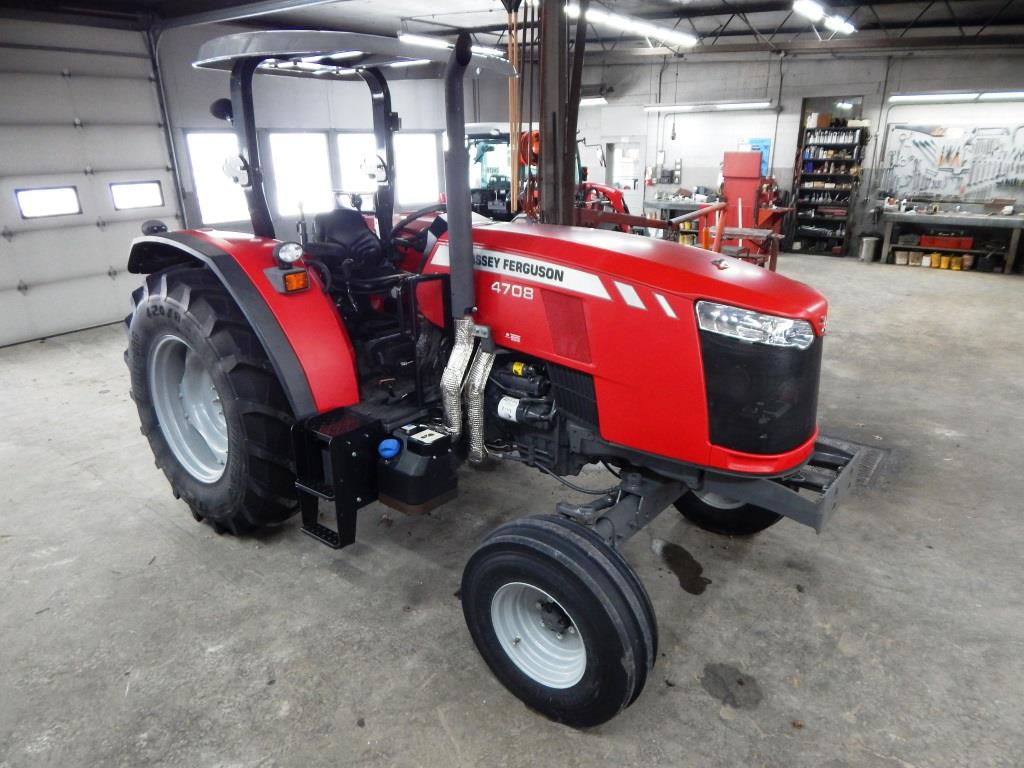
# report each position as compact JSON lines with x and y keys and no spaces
{"x":83,"y":162}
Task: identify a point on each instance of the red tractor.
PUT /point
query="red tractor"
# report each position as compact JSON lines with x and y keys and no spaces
{"x":368,"y":362}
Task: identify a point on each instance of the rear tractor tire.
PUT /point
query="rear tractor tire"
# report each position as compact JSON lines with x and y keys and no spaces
{"x":210,"y":405}
{"x":560,"y":618}
{"x":720,"y":514}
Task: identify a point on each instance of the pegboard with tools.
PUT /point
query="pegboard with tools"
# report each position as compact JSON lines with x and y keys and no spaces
{"x":959,"y":163}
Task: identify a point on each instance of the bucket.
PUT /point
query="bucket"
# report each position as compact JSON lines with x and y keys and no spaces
{"x":868,"y":246}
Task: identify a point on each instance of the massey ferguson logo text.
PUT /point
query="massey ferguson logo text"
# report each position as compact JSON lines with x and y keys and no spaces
{"x":525,"y":268}
{"x":511,"y":266}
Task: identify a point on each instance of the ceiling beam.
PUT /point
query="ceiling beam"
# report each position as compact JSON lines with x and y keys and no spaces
{"x":242,"y":12}
{"x":874,"y":26}
{"x":687,"y":12}
{"x":56,"y":13}
{"x":844,"y":45}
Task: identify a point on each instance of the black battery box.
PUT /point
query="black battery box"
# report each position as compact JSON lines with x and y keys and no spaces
{"x":417,"y":472}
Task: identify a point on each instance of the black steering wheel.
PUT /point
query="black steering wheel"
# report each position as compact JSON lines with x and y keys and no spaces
{"x":418,"y":241}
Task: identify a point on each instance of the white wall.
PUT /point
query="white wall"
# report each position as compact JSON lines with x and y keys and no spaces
{"x":701,"y":138}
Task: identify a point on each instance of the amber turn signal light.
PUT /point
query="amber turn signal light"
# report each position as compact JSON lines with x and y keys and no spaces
{"x":296,"y":281}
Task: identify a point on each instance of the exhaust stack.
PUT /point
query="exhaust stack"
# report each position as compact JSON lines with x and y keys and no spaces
{"x":456,"y":182}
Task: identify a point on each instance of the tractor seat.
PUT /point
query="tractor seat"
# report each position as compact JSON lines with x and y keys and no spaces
{"x":347,"y":228}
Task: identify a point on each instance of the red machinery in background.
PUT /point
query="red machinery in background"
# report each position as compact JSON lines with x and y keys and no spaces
{"x":753,"y":218}
{"x":598,"y":206}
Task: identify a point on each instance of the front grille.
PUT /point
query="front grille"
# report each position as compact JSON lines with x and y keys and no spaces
{"x":761,"y":399}
{"x":574,"y":393}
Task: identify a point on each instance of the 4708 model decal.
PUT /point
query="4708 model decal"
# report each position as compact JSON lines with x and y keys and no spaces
{"x":525,"y":268}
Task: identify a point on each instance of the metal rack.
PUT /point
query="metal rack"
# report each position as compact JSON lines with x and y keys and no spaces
{"x":827,"y":174}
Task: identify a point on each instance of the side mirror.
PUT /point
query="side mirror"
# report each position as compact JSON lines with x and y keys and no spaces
{"x":153,"y":227}
{"x":222,"y":110}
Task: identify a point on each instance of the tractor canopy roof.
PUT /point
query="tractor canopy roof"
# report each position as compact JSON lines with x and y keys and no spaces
{"x":332,"y":55}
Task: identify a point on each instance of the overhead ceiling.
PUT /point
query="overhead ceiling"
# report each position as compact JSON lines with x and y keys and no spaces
{"x":722,"y":26}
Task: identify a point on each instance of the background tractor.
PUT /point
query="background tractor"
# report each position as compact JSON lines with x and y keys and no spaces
{"x":373,"y":357}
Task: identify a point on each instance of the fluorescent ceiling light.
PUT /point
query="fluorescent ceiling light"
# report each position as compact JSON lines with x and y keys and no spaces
{"x":338,"y":71}
{"x":483,"y":50}
{"x":721,"y":106}
{"x":744,"y":105}
{"x":426,"y":42}
{"x":333,"y":57}
{"x":809,"y":9}
{"x":839,"y":24}
{"x":916,"y":98}
{"x":410,"y":63}
{"x":844,"y":105}
{"x":670,"y":108}
{"x":634,"y":26}
{"x":592,"y":101}
{"x":1002,"y":96}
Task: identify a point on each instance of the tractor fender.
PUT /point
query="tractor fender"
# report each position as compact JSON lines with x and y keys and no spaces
{"x":302,"y":334}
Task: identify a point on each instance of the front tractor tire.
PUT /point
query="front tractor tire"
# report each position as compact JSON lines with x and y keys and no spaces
{"x":720,"y":514}
{"x":209,"y":403}
{"x":560,"y":618}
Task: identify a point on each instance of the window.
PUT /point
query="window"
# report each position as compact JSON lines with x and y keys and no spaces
{"x":626,"y":166}
{"x":357,"y":153}
{"x":136,"y":194}
{"x":220,"y":199}
{"x":302,"y":173}
{"x":490,"y":163}
{"x":48,"y":201}
{"x":416,"y":168}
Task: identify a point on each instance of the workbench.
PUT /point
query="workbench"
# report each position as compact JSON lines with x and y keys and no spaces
{"x":671,"y":208}
{"x":952,"y":219}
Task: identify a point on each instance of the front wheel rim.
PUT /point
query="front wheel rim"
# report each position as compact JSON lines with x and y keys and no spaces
{"x":538,"y":635}
{"x":717,"y":500}
{"x":188,"y":408}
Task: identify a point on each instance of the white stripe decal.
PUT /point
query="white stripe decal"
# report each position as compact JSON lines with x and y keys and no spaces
{"x":629,"y":295}
{"x":665,"y":305}
{"x":532,"y":270}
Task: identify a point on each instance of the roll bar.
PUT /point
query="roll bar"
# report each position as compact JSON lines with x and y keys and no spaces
{"x":346,"y":55}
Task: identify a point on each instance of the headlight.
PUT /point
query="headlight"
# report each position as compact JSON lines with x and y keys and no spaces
{"x":745,"y":325}
{"x":287,"y":253}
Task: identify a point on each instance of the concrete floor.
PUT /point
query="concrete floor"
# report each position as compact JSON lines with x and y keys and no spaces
{"x":133,"y":636}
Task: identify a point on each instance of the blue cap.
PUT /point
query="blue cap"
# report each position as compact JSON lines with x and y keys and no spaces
{"x":389,"y":448}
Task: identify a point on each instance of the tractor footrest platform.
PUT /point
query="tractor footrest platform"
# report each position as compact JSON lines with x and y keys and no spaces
{"x":335,"y":461}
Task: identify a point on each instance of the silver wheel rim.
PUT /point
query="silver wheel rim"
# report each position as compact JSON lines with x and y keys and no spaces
{"x":717,"y":500}
{"x":538,"y":635}
{"x":188,"y":408}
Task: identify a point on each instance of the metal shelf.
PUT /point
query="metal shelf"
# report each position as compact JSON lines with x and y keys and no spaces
{"x":932,"y":249}
{"x":798,"y":236}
